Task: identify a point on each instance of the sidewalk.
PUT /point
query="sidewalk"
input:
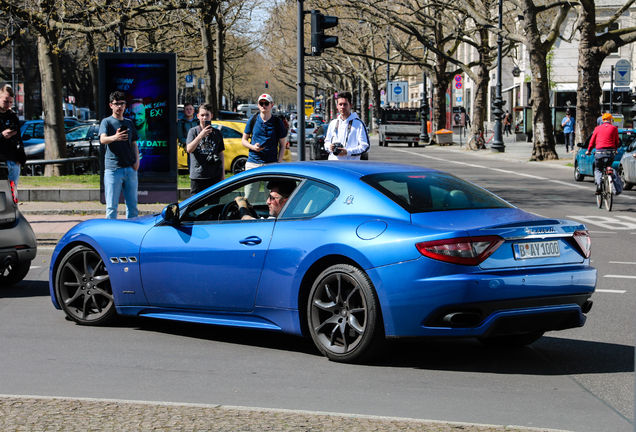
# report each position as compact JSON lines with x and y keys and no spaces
{"x":51,"y":219}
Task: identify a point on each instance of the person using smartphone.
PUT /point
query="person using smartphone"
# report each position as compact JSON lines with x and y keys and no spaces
{"x":205,"y":147}
{"x":121,"y":161}
{"x":11,"y":146}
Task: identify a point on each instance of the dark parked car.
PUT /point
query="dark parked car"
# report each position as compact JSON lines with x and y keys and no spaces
{"x":317,"y":144}
{"x":584,"y":164}
{"x":18,"y":246}
{"x":627,"y":168}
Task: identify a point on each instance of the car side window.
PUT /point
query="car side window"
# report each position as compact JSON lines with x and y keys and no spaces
{"x":311,"y":200}
{"x":230,"y":133}
{"x":38,"y":132}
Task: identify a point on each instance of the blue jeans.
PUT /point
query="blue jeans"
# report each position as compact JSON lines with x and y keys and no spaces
{"x":116,"y":180}
{"x":14,"y":171}
{"x":602,"y":159}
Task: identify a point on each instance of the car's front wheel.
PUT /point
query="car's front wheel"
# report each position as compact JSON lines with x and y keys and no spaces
{"x":82,"y":286}
{"x":577,"y":173}
{"x":344,"y":315}
{"x":14,"y":273}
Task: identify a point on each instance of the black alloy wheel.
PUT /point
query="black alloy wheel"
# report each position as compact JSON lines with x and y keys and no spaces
{"x":344,"y":315}
{"x":82,"y":287}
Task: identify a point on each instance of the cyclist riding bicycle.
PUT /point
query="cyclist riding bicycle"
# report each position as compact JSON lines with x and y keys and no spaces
{"x":605,"y":139}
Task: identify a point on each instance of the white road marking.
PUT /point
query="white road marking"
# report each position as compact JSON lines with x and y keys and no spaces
{"x":607,"y":222}
{"x":622,"y":262}
{"x":620,"y":276}
{"x":34,"y":267}
{"x":610,"y":291}
{"x":570,"y":184}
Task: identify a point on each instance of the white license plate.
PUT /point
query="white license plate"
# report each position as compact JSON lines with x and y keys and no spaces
{"x":536,"y":249}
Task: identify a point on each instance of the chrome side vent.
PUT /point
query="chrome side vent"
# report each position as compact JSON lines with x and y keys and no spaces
{"x":132,"y":259}
{"x":114,"y":260}
{"x":123,"y":260}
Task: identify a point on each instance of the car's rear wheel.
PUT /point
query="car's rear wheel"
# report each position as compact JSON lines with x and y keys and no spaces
{"x":238,"y":164}
{"x":577,"y":173}
{"x":82,"y":286}
{"x":14,"y":273}
{"x":344,"y":315}
{"x":512,"y":341}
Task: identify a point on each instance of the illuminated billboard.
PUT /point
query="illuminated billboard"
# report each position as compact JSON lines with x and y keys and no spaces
{"x":149,"y":83}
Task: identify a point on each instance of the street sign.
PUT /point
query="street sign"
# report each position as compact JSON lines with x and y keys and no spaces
{"x":622,"y":73}
{"x":189,"y":80}
{"x":128,"y":49}
{"x":458,"y":84}
{"x":398,"y":91}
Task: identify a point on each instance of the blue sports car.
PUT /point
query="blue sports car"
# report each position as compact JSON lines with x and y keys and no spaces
{"x":352,"y":254}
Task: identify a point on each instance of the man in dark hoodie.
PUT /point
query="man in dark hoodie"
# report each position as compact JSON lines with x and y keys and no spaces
{"x":11,"y":146}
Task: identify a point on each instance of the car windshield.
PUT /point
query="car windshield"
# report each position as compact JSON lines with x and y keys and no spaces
{"x":78,"y":133}
{"x":433,"y":191}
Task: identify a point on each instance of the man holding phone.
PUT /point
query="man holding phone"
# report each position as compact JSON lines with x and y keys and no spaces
{"x":205,"y":146}
{"x":11,"y":146}
{"x":121,"y":161}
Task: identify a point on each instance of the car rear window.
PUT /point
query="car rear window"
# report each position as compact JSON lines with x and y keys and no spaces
{"x":433,"y":191}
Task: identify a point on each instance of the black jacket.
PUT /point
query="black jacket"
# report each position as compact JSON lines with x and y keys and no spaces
{"x":11,"y":149}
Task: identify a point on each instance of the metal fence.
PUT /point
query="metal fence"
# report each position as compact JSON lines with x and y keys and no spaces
{"x":73,"y":165}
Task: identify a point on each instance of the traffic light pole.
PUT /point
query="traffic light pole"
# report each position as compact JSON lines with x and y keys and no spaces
{"x":300,"y":84}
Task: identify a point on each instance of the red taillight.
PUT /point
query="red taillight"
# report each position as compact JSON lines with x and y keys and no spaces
{"x":584,"y":242}
{"x":463,"y":250}
{"x":14,"y":191}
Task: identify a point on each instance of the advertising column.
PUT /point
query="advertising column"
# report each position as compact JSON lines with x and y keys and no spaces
{"x":150,"y":84}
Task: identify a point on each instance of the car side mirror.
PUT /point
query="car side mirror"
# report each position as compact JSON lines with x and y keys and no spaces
{"x":170,"y":214}
{"x":579,"y":145}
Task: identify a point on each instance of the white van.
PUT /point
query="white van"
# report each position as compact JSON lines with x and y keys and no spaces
{"x":248,"y":109}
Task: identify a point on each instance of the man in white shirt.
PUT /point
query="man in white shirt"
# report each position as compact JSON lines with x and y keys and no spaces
{"x":347,"y":137}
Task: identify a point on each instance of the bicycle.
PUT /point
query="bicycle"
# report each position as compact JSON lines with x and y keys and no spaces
{"x":606,"y":194}
{"x":477,"y":142}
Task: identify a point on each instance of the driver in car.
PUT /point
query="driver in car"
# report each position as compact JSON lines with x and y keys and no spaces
{"x":279,"y":192}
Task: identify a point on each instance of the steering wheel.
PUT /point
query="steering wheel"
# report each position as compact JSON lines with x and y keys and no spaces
{"x":231,"y":211}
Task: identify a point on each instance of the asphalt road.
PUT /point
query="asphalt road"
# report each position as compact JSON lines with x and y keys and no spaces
{"x":578,"y":380}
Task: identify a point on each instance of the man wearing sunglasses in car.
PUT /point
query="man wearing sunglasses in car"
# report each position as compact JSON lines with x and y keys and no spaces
{"x":279,"y":192}
{"x":268,"y":137}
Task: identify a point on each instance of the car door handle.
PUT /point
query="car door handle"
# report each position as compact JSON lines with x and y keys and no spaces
{"x":251,"y":240}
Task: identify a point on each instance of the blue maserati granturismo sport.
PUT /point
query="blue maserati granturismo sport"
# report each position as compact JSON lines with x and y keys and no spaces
{"x":351,"y":254}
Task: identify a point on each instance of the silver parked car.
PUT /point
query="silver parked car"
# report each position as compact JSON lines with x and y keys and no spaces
{"x":627,"y":167}
{"x":18,"y":245}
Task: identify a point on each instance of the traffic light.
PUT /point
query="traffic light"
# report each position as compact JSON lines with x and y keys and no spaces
{"x":319,"y":42}
{"x":266,"y":84}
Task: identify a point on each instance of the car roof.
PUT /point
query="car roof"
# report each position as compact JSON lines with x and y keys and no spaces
{"x":328,"y":169}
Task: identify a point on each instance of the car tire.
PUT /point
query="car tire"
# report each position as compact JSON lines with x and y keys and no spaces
{"x":512,"y":341}
{"x":14,"y":273}
{"x":343,"y":315}
{"x":626,"y":185}
{"x":577,"y":173}
{"x":82,"y":287}
{"x":238,"y":164}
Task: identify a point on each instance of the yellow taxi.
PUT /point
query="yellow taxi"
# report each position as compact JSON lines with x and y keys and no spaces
{"x":235,"y":153}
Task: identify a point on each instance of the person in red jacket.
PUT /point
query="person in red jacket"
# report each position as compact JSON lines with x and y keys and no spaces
{"x":605,"y":139}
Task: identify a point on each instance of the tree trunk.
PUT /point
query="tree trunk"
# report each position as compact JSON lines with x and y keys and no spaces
{"x":207,"y":40}
{"x":54,"y":136}
{"x":220,"y":69}
{"x":440,"y":84}
{"x":589,"y":66}
{"x":542,"y":129}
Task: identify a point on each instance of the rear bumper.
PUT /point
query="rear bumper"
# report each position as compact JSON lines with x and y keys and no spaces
{"x":488,"y":303}
{"x":17,"y":242}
